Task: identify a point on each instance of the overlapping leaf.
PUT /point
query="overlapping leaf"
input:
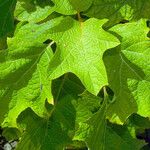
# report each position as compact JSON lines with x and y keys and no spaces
{"x":56,"y":129}
{"x":103,"y":137}
{"x":121,"y":10}
{"x":6,"y":20}
{"x":23,"y":76}
{"x":81,"y":5}
{"x":64,"y":7}
{"x":108,"y":136}
{"x":42,"y":134}
{"x":130,"y":61}
{"x":28,"y":66}
{"x":85,"y":106}
{"x":80,"y":48}
{"x":33,"y":11}
{"x":141,"y":93}
{"x":6,"y":17}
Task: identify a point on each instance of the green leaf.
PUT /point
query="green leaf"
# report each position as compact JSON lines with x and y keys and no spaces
{"x":85,"y":106}
{"x":69,"y":87}
{"x":42,"y":133}
{"x":6,"y":21}
{"x":33,"y":11}
{"x":136,"y":48}
{"x":57,"y":127}
{"x":23,"y":75}
{"x":64,"y":7}
{"x":126,"y":134}
{"x":141,"y":93}
{"x":67,"y":79}
{"x":117,"y":11}
{"x":129,"y":61}
{"x":3,"y":43}
{"x":138,"y":121}
{"x":6,"y":16}
{"x":103,"y":136}
{"x":11,"y":133}
{"x":80,"y":48}
{"x":81,"y":5}
{"x":137,"y":124}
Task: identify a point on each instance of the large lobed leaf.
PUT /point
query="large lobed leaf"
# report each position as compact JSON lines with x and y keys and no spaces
{"x":103,"y":136}
{"x":56,"y":129}
{"x":128,"y":68}
{"x":28,"y":66}
{"x":23,"y":76}
{"x":119,"y":10}
{"x":43,"y":133}
{"x":80,"y":48}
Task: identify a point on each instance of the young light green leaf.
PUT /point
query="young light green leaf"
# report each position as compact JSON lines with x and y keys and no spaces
{"x":23,"y":72}
{"x":136,"y":48}
{"x":130,"y":61}
{"x":25,"y":88}
{"x":141,"y":93}
{"x":80,"y":48}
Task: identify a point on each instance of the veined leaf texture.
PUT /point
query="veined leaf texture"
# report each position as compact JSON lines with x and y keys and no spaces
{"x":75,"y":74}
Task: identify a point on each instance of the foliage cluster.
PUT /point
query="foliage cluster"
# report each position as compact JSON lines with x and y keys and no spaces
{"x":75,"y":73}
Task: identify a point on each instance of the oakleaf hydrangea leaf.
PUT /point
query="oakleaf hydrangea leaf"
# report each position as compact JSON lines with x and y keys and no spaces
{"x":85,"y":106}
{"x":102,"y":136}
{"x":81,"y":5}
{"x":56,"y":129}
{"x":23,"y":76}
{"x":141,"y":93}
{"x":120,"y":10}
{"x":6,"y":17}
{"x":130,"y":61}
{"x":64,"y":7}
{"x":41,"y":133}
{"x":6,"y":20}
{"x":80,"y":48}
{"x":137,"y":51}
{"x":75,"y":74}
{"x":33,"y":11}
